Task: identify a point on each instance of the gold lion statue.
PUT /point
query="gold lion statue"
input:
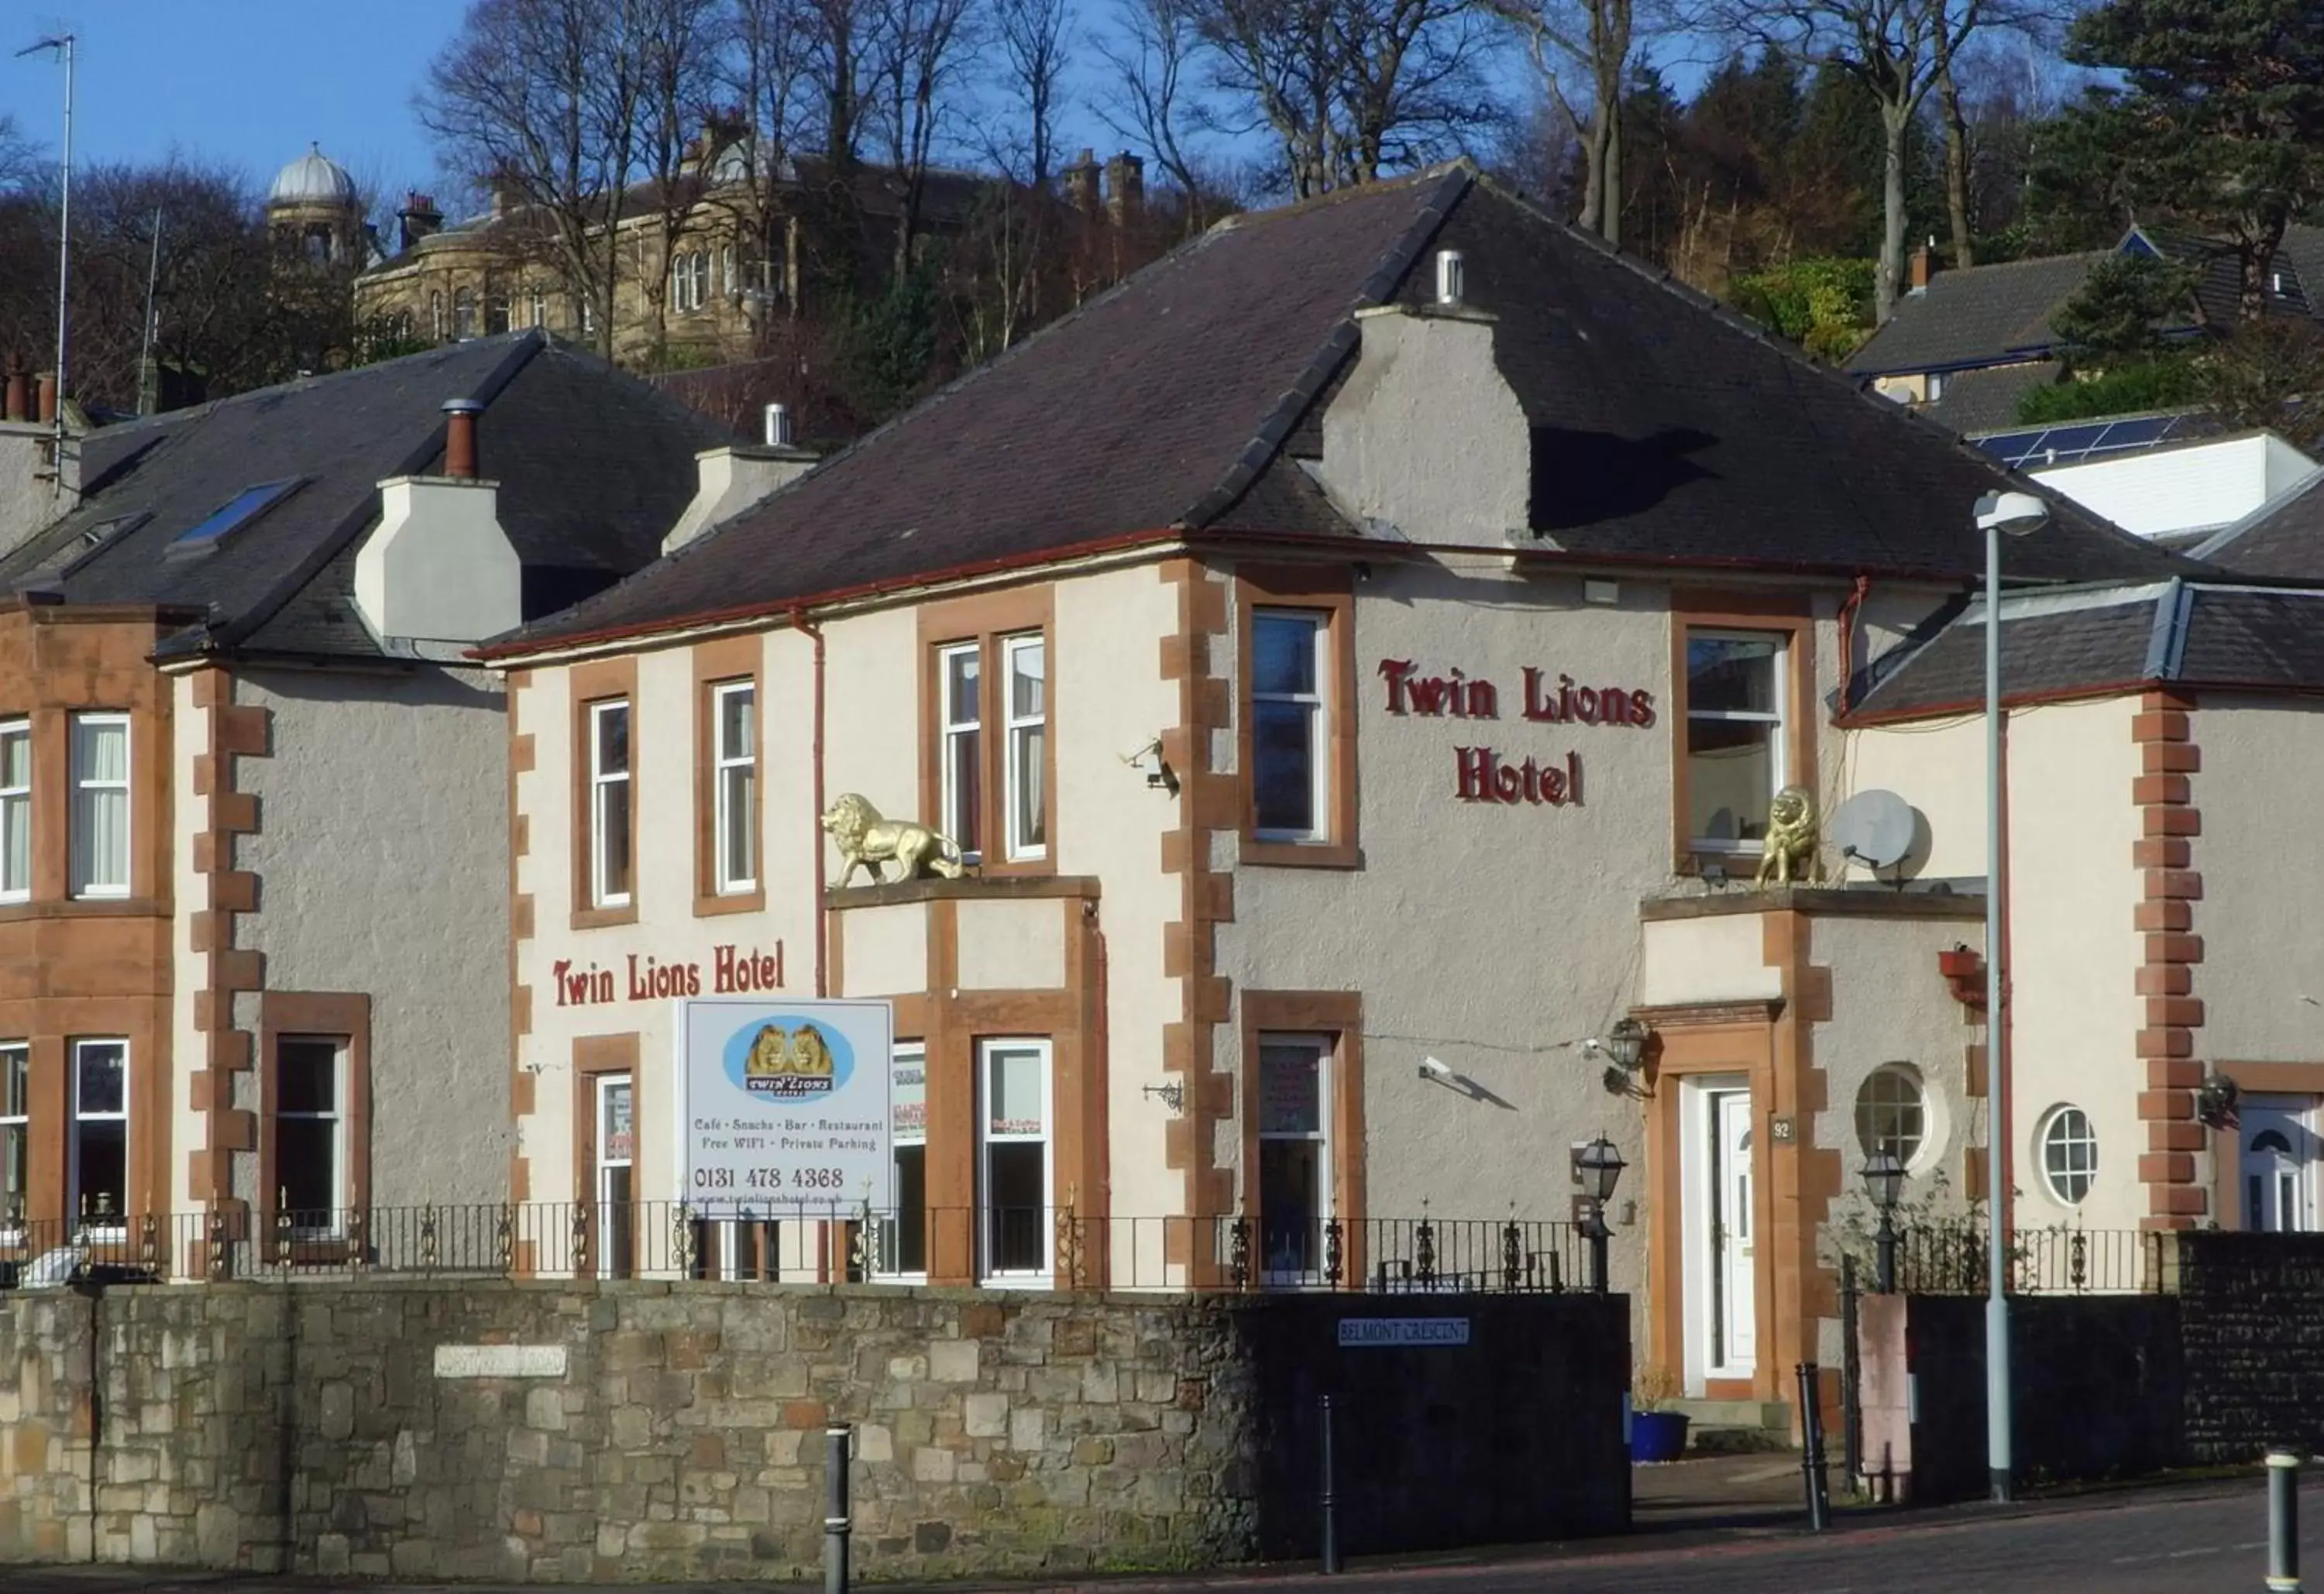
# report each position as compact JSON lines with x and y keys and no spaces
{"x":867,"y":841}
{"x":1791,"y":852}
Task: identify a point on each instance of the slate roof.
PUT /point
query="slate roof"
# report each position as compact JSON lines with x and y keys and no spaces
{"x":1978,"y":316}
{"x":2284,"y":537}
{"x":593,"y":465}
{"x":2105,"y":641}
{"x":1985,"y":401}
{"x":1665,"y":430}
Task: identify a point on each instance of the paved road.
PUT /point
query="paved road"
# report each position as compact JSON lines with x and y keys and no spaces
{"x":2210,"y":1540}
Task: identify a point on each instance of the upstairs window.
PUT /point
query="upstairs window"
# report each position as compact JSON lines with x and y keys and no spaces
{"x":232,"y":516}
{"x":1290,"y":769}
{"x":1025,"y":660}
{"x":735,"y":759}
{"x":464,"y":314}
{"x":609,"y":804}
{"x":1737,"y":752}
{"x":100,"y":804}
{"x":15,"y":810}
{"x":961,"y":669}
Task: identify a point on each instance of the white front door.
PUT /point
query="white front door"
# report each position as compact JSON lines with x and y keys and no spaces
{"x":2279,"y":1157}
{"x":1733,"y":1340}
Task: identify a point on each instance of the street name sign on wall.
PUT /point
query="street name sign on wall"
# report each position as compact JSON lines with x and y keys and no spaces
{"x":1391,"y":1331}
{"x":782,"y":1107}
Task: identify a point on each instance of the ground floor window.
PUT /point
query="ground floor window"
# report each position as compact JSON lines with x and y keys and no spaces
{"x":2070,"y":1155}
{"x":1294,"y":1157}
{"x":904,"y":1235}
{"x":310,"y":1146}
{"x":15,"y":1136}
{"x":100,"y":1141}
{"x":1015,"y":1157}
{"x":615,"y":1182}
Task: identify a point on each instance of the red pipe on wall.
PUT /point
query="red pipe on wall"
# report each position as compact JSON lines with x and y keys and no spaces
{"x":814,"y":632}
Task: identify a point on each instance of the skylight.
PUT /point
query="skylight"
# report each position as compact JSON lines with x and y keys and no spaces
{"x":236,"y":512}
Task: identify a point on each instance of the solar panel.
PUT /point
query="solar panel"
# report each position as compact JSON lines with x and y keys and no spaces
{"x":236,"y":511}
{"x":2075,"y":443}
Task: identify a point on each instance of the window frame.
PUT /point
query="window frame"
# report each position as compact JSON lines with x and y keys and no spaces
{"x":1327,"y":591}
{"x":341,"y":1180}
{"x":79,"y":888}
{"x":1779,"y":743}
{"x":1337,"y":1019}
{"x":885,"y":1267}
{"x":594,"y":712}
{"x":1922,"y":1137}
{"x":16,"y":800}
{"x":1785,"y":618}
{"x":988,"y":1272}
{"x":952,"y":727}
{"x":1323,"y":1046}
{"x":15,"y":1207}
{"x":1013,"y":728}
{"x":603,"y":1164}
{"x":75,"y":1194}
{"x":725,"y":764}
{"x":2047,"y":1140}
{"x":1317,"y":705}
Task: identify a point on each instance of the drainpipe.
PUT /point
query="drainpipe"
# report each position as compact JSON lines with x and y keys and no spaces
{"x":807,"y":628}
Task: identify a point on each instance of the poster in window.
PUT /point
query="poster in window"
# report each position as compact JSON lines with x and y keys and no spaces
{"x":1290,"y":1089}
{"x":908,"y":1098}
{"x":784,"y":1106}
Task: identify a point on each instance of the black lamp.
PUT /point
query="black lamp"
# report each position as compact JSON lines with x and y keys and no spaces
{"x":1600,"y":1166}
{"x":1884,"y":1178}
{"x":1626,"y":1043}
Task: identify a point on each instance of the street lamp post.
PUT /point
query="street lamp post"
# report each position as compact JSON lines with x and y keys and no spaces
{"x":2019,"y":514}
{"x":1600,"y":1165}
{"x":1884,"y":1176}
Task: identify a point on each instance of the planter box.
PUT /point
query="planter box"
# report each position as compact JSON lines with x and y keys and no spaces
{"x":1657,"y":1436}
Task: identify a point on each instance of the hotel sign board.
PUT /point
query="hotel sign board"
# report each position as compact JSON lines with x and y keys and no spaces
{"x":782,"y":1106}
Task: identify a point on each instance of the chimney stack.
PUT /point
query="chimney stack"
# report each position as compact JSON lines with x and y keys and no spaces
{"x":460,"y":438}
{"x":1923,"y":267}
{"x":1082,"y":183}
{"x":418,"y":219}
{"x":778,"y":426}
{"x":48,"y":390}
{"x":1125,"y":190}
{"x":20,"y":397}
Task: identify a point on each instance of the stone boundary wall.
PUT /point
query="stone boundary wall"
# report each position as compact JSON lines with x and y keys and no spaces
{"x":2251,"y":1313}
{"x":562,"y":1432}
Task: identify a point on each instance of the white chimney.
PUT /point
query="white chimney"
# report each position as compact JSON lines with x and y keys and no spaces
{"x":733,"y":478}
{"x":1452,"y":277}
{"x":438,"y":567}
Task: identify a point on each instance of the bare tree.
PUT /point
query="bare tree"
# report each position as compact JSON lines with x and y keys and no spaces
{"x":679,"y":134}
{"x":1349,"y":87}
{"x":763,"y":70}
{"x":1031,"y":34}
{"x":1597,"y":40}
{"x":1897,"y":50}
{"x":538,"y":101}
{"x":1149,"y":56}
{"x":916,"y":64}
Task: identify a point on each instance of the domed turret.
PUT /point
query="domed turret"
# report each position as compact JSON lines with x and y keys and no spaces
{"x":314,"y":211}
{"x":313,"y":179}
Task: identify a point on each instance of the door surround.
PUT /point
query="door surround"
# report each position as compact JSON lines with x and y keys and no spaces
{"x":2253,"y":1079}
{"x":1736,"y":1040}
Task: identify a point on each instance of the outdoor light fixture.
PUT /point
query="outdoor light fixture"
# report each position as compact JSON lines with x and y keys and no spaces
{"x":1884,"y":1176}
{"x":1599,"y":1167}
{"x":1626,"y":1043}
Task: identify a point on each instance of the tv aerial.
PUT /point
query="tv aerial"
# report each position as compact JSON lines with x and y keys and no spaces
{"x":1874,"y":828}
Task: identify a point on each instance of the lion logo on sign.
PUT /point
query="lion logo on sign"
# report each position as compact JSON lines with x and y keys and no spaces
{"x":867,"y":842}
{"x":789,"y":1062}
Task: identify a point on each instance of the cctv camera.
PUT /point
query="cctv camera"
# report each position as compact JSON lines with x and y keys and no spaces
{"x":1430,"y":1068}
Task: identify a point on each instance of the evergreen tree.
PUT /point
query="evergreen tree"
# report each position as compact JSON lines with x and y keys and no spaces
{"x":2218,"y":125}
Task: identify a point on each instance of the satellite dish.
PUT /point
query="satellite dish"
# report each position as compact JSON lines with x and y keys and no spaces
{"x":1874,"y":828}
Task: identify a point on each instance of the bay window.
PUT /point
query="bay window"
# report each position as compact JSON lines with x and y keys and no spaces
{"x":1026,"y":663}
{"x":1736,"y":752}
{"x":1290,"y":726}
{"x":904,"y":1239}
{"x":735,"y":773}
{"x":15,"y":1137}
{"x":1294,"y":1157}
{"x":1015,"y":1158}
{"x":961,"y":671}
{"x":610,"y":816}
{"x":100,"y":804}
{"x":15,"y":810}
{"x":100,"y":1137}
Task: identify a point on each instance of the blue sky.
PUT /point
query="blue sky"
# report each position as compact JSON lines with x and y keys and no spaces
{"x":249,"y":83}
